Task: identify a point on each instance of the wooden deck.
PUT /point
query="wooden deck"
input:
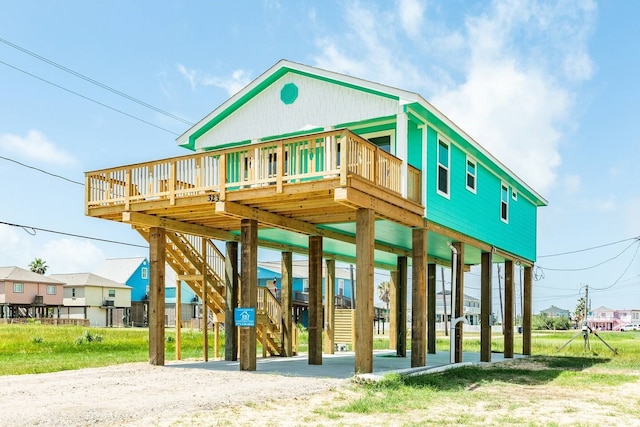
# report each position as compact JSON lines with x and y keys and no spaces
{"x":324,"y":178}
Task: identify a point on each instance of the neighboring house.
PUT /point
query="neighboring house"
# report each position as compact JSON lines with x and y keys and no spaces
{"x":24,"y":293}
{"x":102,"y":301}
{"x":554,"y":311}
{"x":190,"y":302}
{"x":133,"y":272}
{"x":603,"y":319}
{"x":471,"y":308}
{"x":269,"y":271}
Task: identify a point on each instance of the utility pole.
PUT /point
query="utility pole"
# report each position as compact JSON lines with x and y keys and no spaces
{"x":444,"y":302}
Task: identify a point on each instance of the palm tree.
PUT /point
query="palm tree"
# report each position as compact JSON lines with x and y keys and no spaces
{"x":384,"y":293}
{"x":38,"y":266}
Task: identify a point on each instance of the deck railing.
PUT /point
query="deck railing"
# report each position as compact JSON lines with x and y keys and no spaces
{"x":338,"y":153}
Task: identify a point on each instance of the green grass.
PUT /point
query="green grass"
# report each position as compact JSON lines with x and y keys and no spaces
{"x":34,"y":348}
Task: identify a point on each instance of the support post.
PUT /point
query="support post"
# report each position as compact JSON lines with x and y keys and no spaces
{"x":330,"y":307}
{"x":431,"y":309}
{"x":526,"y":313}
{"x":249,"y":291}
{"x":178,"y":319}
{"x":485,"y":306}
{"x":508,"y":308}
{"x":231,"y":297}
{"x":315,"y":300}
{"x":205,"y":307}
{"x":365,"y":240}
{"x":393,"y":310}
{"x":156,"y":295}
{"x":459,"y":302}
{"x":418,"y":297}
{"x":287,"y":303}
{"x":401,"y":303}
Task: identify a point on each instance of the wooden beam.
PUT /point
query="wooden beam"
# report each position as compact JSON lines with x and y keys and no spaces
{"x":383,"y":209}
{"x":144,"y":220}
{"x":526,"y":315}
{"x":418,"y":297}
{"x":459,"y":302}
{"x":231,"y":303}
{"x":431,"y":308}
{"x":401,"y":304}
{"x":508,"y":308}
{"x":286,"y":289}
{"x":249,"y":291}
{"x":330,"y":307}
{"x":485,"y":306}
{"x":156,"y":295}
{"x":315,"y":300}
{"x":363,"y":346}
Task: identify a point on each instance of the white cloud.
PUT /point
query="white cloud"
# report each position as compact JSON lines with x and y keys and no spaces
{"x":411,"y":16}
{"x":71,"y":256}
{"x":35,"y":145}
{"x":231,"y":84}
{"x":511,"y":78}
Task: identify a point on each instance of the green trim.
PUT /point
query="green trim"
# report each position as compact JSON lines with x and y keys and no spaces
{"x":246,"y":97}
{"x":369,"y":124}
{"x":228,"y":145}
{"x":291,"y":134}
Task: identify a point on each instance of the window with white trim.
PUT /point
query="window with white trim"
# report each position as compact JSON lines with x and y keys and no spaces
{"x":472,"y":173}
{"x":514,"y":195}
{"x":51,"y":290}
{"x":443,"y":168}
{"x":504,"y":202}
{"x":340,"y":286}
{"x":144,"y":272}
{"x":112,"y":293}
{"x":18,"y":288}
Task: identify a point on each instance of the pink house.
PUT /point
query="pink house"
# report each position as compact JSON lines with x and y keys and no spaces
{"x":24,"y":293}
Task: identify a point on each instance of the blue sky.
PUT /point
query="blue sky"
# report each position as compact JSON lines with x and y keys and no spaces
{"x":550,"y":88}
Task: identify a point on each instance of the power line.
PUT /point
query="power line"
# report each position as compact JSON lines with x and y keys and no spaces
{"x":589,"y":249}
{"x":593,"y":266}
{"x":623,"y":273}
{"x":89,"y":99}
{"x":28,"y":227}
{"x":95,"y":82}
{"x":42,"y":170}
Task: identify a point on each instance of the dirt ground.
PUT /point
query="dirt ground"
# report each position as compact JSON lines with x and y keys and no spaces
{"x":139,"y":394}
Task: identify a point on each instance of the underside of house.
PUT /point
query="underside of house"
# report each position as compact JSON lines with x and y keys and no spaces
{"x":310,"y":162}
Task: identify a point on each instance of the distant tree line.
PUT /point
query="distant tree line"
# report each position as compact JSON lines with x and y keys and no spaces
{"x":558,"y":323}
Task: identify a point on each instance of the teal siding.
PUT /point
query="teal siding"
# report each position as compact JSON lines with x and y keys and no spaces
{"x":478,"y":215}
{"x":414,"y":135}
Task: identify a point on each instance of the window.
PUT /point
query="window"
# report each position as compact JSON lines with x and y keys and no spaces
{"x":471,"y":175}
{"x":514,"y":195}
{"x":305,"y":285}
{"x":443,"y":168}
{"x":112,"y":293}
{"x":504,"y":203}
{"x":144,"y":272}
{"x":73,"y":292}
{"x":51,"y":289}
{"x":383,"y":142}
{"x":18,"y":288}
{"x":340,"y":286}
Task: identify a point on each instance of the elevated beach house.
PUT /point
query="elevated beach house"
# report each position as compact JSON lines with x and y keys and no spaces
{"x":304,"y":160}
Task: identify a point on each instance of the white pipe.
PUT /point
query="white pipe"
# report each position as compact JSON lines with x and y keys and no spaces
{"x":454,"y":322}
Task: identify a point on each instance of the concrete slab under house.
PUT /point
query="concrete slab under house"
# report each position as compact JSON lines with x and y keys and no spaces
{"x":308,"y":161}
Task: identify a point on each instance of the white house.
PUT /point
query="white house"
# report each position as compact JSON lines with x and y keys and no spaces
{"x":102,"y":301}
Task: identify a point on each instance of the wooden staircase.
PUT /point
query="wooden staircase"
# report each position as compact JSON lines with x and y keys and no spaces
{"x":184,"y":256}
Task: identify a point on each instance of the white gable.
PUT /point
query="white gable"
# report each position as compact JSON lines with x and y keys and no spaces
{"x":319,"y":104}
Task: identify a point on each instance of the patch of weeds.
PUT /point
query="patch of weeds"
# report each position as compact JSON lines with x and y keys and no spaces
{"x":37,"y":340}
{"x":88,"y":337}
{"x":170,"y":339}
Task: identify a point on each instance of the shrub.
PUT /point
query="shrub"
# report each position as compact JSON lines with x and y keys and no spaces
{"x":37,"y":340}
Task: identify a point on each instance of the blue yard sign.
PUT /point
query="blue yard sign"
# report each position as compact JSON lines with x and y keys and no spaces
{"x":245,"y":316}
